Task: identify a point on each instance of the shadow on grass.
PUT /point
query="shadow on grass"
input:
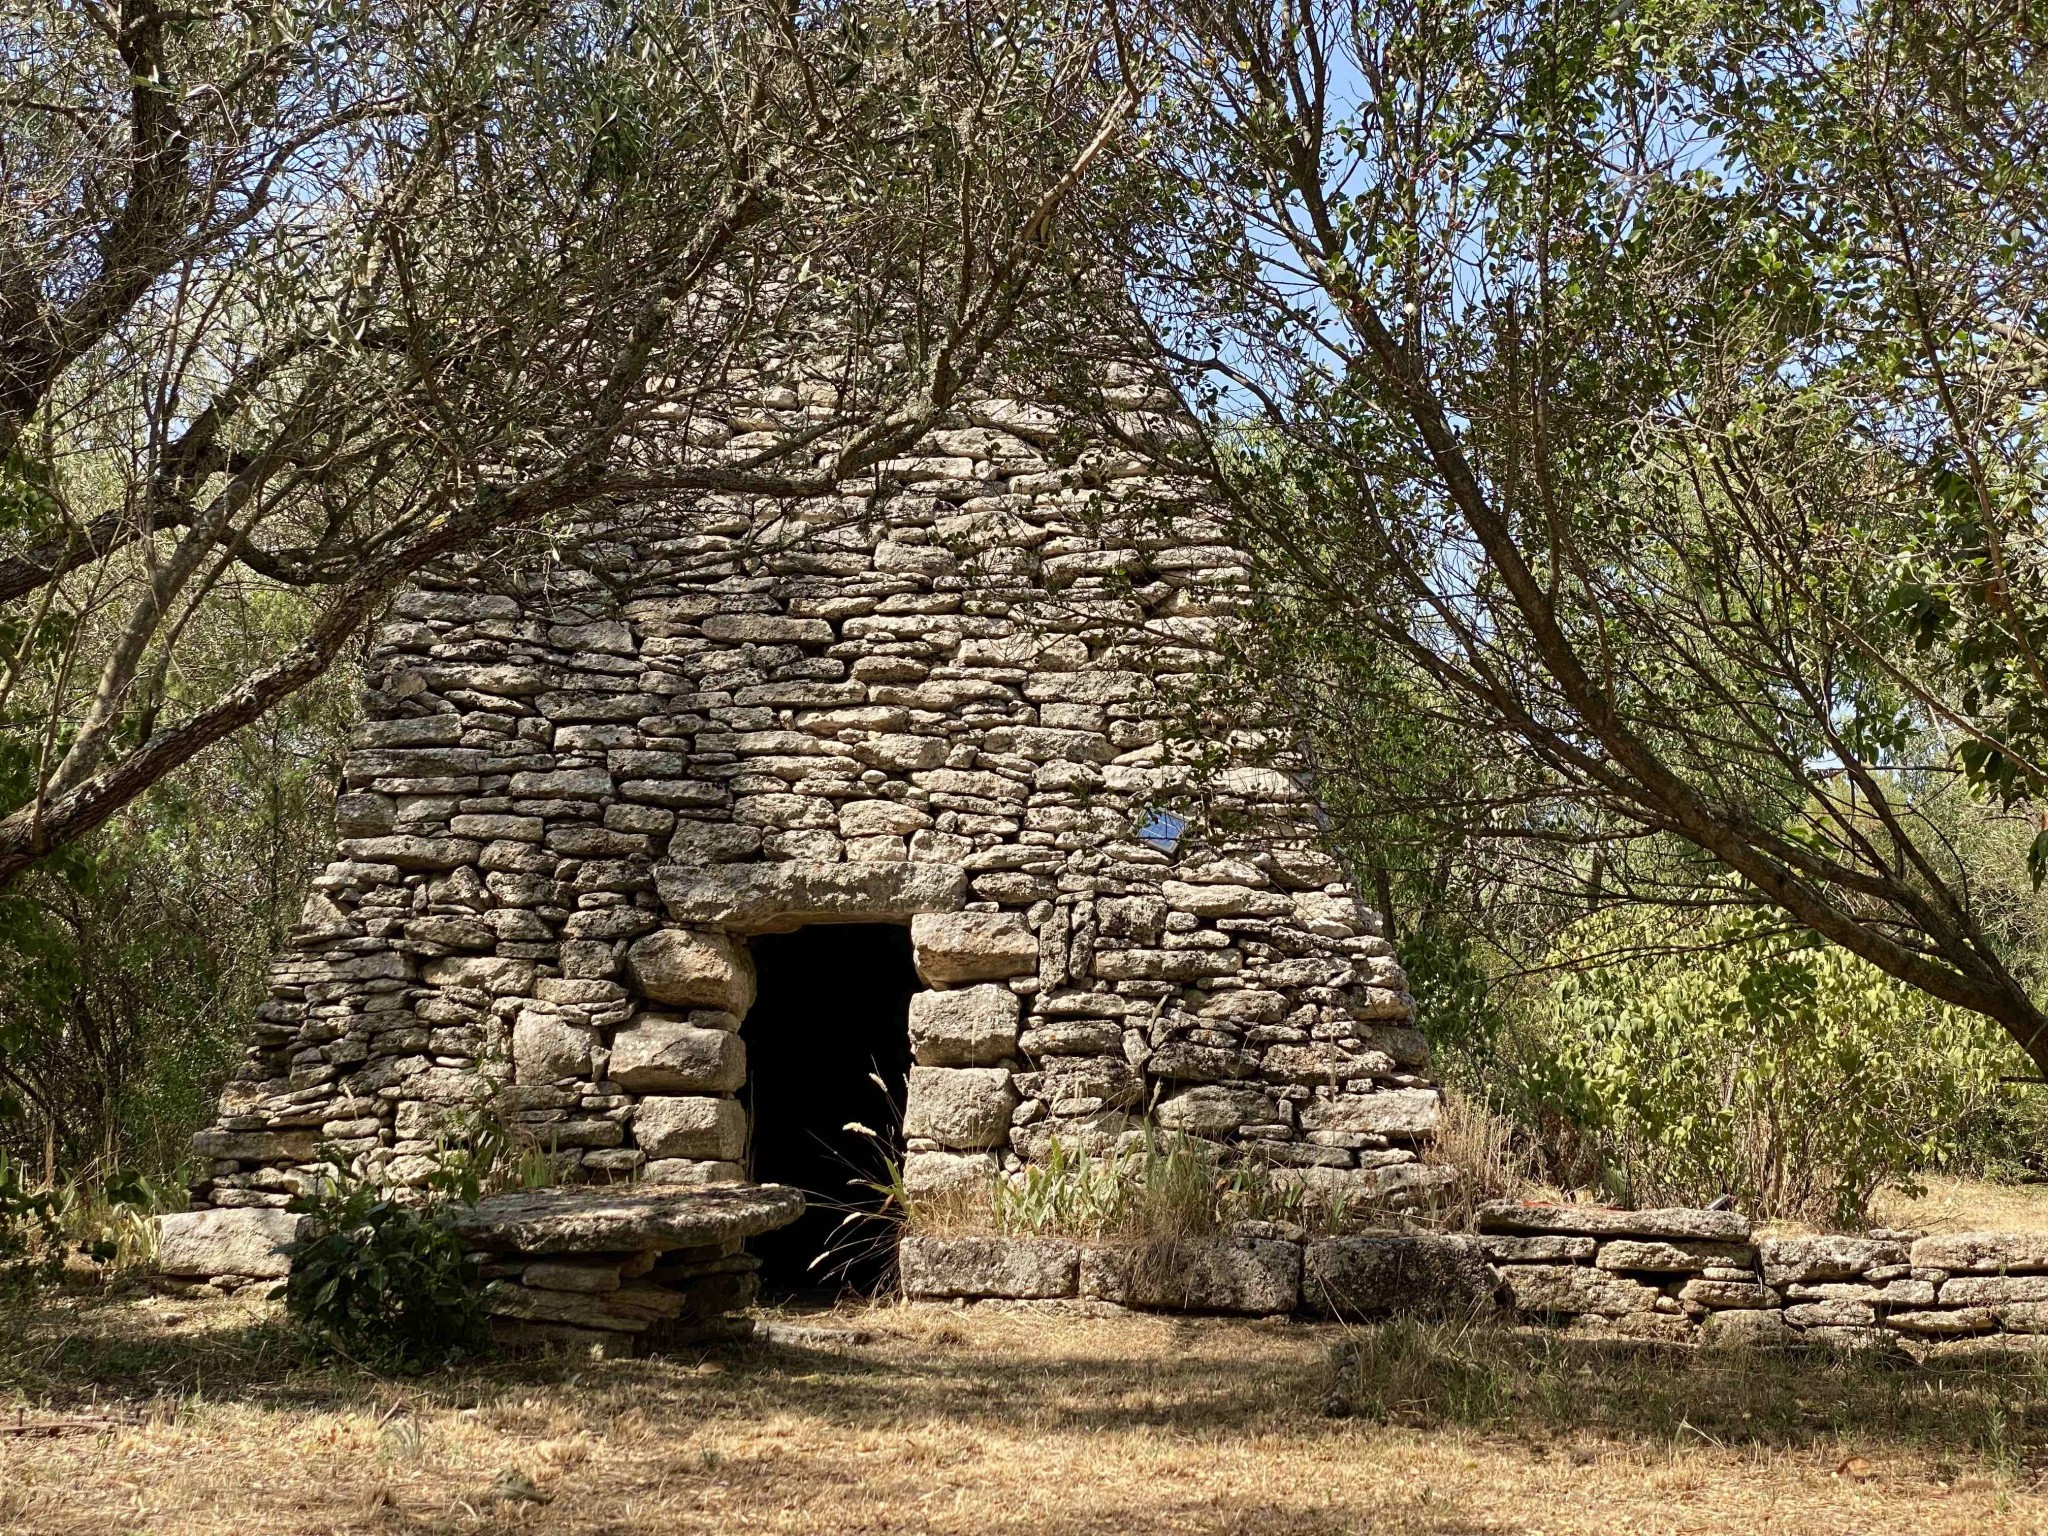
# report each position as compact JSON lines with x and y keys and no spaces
{"x":60,"y":1352}
{"x":1536,"y":1383}
{"x":1203,"y":1378}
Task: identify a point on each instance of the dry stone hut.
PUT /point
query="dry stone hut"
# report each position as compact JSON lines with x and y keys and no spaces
{"x":683,"y":842}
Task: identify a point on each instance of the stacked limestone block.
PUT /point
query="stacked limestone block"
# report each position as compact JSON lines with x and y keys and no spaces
{"x":1983,"y":1282}
{"x":943,"y":697}
{"x":1649,"y":1274}
{"x":1686,"y":1274}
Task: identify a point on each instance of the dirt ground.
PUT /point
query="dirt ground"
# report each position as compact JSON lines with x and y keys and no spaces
{"x":172,"y":1417}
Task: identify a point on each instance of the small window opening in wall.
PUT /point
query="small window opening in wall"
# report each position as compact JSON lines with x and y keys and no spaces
{"x":828,"y":1058}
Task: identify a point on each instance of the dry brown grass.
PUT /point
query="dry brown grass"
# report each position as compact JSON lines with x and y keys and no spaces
{"x":998,"y":1422}
{"x":1965,"y":1205}
{"x":1487,"y":1149}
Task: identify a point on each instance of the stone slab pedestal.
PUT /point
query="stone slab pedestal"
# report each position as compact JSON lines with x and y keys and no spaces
{"x":622,"y":1271}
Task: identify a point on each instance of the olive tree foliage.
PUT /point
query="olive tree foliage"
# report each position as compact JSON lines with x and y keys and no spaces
{"x":1619,"y":382}
{"x":132,"y":961}
{"x":307,"y":293}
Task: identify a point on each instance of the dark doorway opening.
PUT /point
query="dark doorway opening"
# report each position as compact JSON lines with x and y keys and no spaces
{"x":831,"y":1015}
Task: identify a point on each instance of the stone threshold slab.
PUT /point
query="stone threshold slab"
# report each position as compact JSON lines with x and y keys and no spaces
{"x":595,"y":1219}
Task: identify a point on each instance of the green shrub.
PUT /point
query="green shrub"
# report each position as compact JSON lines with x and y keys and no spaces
{"x":1714,"y":1056}
{"x":31,"y":1237}
{"x":380,"y":1283}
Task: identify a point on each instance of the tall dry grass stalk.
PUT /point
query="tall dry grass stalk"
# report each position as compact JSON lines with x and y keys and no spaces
{"x":1490,"y":1152}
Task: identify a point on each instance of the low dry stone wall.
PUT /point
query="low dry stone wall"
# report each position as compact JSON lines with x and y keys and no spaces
{"x":1684,"y":1275}
{"x":1256,"y":1268}
{"x":1673,"y":1275}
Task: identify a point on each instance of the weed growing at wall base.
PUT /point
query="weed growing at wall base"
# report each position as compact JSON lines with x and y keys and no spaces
{"x":382,"y":1283}
{"x":1163,"y":1188}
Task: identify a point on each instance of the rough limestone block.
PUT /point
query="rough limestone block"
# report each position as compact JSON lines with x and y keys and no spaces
{"x":1897,"y":1293}
{"x":1224,"y":900}
{"x":1333,"y":917}
{"x":1403,"y":1042}
{"x":1167,"y":964}
{"x":1660,"y":1327}
{"x":701,"y":970}
{"x":880,"y":818}
{"x":591,"y":1276}
{"x":1016,"y":1268}
{"x":1746,"y":1329}
{"x":1944,"y":1322}
{"x":1069,"y":1037}
{"x":1539,"y":1250}
{"x":1571,"y":1289}
{"x":766,"y":629}
{"x":545,"y":1049}
{"x":1424,"y":1274}
{"x":1396,"y":1184}
{"x":774,"y":898}
{"x":494,"y":974}
{"x":928,"y":1174}
{"x":408,"y":852}
{"x":713,"y":842}
{"x":1992,"y":1290}
{"x":1140,"y":919}
{"x":1214,"y":1110}
{"x":1186,"y":1061}
{"x":953,"y":947}
{"x":583,"y":1309}
{"x":1852,"y":1340}
{"x":1598,"y":1221}
{"x":714,"y":1129}
{"x":207,"y":1243}
{"x":1806,"y":1260}
{"x":960,"y":1107}
{"x":1106,"y":1082}
{"x":1999,"y":1350}
{"x":1256,"y":1276}
{"x":973,"y":1027}
{"x":1985,"y":1253}
{"x":1654,"y":1257}
{"x":660,"y":1054}
{"x":1329,"y":1061}
{"x":693,"y":1173}
{"x":257,"y":1147}
{"x":451,"y":932}
{"x":1404,"y":1112}
{"x":1831,"y":1314}
{"x":1720,"y":1294}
